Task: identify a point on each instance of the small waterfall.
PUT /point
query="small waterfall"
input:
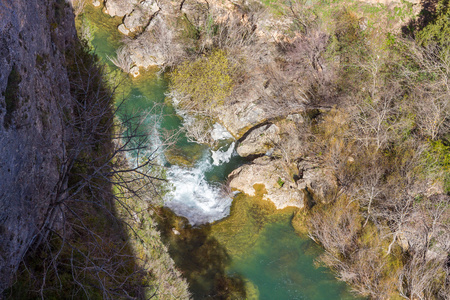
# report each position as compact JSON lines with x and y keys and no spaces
{"x":222,"y":156}
{"x":194,"y":197}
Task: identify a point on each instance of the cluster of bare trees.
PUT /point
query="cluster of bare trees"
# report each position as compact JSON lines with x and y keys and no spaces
{"x":387,"y":223}
{"x":385,"y":230}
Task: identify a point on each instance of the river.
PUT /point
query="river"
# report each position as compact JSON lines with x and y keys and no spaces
{"x":228,"y":247}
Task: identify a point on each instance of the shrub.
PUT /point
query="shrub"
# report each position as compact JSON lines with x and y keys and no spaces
{"x":438,"y":162}
{"x":438,"y":28}
{"x":207,"y":81}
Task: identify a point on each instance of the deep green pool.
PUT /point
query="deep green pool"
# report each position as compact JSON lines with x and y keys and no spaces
{"x":281,"y":266}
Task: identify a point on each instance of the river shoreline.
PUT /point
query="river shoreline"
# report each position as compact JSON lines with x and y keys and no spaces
{"x":180,"y":235}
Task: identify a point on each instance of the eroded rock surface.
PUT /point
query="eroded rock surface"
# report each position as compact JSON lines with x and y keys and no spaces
{"x":259,"y":141}
{"x":280,"y":189}
{"x":34,"y":89}
{"x":320,"y":182}
{"x":141,"y":15}
{"x":120,"y":8}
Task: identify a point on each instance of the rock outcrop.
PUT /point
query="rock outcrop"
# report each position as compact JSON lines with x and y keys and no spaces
{"x":320,"y":182}
{"x":259,"y":141}
{"x":151,"y":24}
{"x":34,"y":91}
{"x":120,"y":8}
{"x":310,"y":183}
{"x":280,"y":189}
{"x":141,"y":16}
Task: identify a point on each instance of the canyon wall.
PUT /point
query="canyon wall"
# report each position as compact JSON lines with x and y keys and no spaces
{"x":34,"y":97}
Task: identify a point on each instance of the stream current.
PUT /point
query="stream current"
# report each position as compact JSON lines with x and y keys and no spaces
{"x":229,"y":247}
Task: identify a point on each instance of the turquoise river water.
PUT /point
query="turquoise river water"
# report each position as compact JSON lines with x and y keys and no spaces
{"x":239,"y":248}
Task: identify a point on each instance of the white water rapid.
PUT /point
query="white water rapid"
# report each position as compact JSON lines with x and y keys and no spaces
{"x":193,"y":196}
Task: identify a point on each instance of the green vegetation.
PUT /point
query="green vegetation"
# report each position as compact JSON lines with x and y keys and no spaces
{"x":386,"y":142}
{"x":437,"y":28}
{"x":280,"y":182}
{"x":378,"y":120}
{"x":204,"y":82}
{"x":438,"y":162}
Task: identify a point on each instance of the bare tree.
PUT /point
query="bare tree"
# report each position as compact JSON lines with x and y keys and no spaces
{"x":122,"y":60}
{"x":418,"y":278}
{"x":337,"y":230}
{"x":431,"y":89}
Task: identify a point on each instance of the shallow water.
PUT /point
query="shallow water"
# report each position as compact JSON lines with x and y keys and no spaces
{"x":280,"y":265}
{"x":253,"y":251}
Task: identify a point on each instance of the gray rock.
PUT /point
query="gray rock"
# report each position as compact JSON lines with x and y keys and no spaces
{"x":259,"y":140}
{"x":120,"y":8}
{"x":320,"y":182}
{"x":34,"y":88}
{"x":281,"y":190}
{"x":140,"y":17}
{"x":155,"y":46}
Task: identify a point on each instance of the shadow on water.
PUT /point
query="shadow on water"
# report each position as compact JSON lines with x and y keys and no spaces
{"x":201,"y":258}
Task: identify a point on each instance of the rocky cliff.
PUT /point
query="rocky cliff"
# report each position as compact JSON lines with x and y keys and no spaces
{"x":34,"y":92}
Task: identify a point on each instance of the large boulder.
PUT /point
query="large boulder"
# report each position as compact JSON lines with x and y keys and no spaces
{"x":141,"y":15}
{"x":259,"y":140}
{"x":120,"y":8}
{"x":240,"y":116}
{"x":280,"y":189}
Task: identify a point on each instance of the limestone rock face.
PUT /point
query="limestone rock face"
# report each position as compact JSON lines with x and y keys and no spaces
{"x":282,"y":191}
{"x":120,"y":7}
{"x":34,"y":88}
{"x":320,"y":182}
{"x":259,"y":140}
{"x":140,"y":16}
{"x":154,"y":47}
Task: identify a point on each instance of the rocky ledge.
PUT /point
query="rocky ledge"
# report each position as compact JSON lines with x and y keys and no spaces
{"x":308,"y":184}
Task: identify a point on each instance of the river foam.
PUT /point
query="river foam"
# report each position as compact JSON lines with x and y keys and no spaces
{"x":192,"y":196}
